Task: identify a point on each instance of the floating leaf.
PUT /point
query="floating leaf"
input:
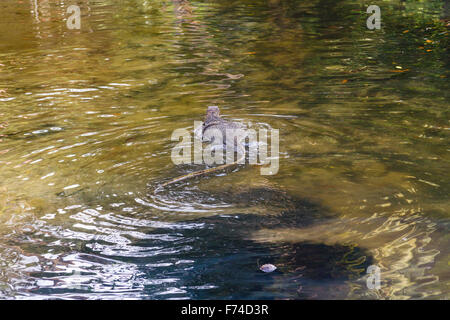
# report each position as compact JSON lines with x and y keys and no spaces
{"x":404,"y":70}
{"x":268,"y":268}
{"x":344,"y":81}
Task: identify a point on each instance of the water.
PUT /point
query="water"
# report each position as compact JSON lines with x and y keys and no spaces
{"x":85,"y":123}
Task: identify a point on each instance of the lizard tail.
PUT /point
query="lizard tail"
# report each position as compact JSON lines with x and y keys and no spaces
{"x":195,"y":174}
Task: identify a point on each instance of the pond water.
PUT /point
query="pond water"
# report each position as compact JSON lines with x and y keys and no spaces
{"x":86,"y":118}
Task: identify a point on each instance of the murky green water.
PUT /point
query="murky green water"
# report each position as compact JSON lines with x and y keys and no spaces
{"x":85,"y":123}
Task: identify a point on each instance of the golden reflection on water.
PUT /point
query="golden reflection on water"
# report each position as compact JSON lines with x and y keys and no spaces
{"x":85,"y":124}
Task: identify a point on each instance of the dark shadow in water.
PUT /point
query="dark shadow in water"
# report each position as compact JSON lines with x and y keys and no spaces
{"x":227,"y":261}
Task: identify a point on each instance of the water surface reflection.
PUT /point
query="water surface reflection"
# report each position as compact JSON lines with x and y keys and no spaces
{"x":85,"y":123}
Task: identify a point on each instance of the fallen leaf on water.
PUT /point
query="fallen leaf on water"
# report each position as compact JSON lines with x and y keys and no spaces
{"x":344,"y":81}
{"x":404,"y":70}
{"x":405,"y":31}
{"x":268,"y":268}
